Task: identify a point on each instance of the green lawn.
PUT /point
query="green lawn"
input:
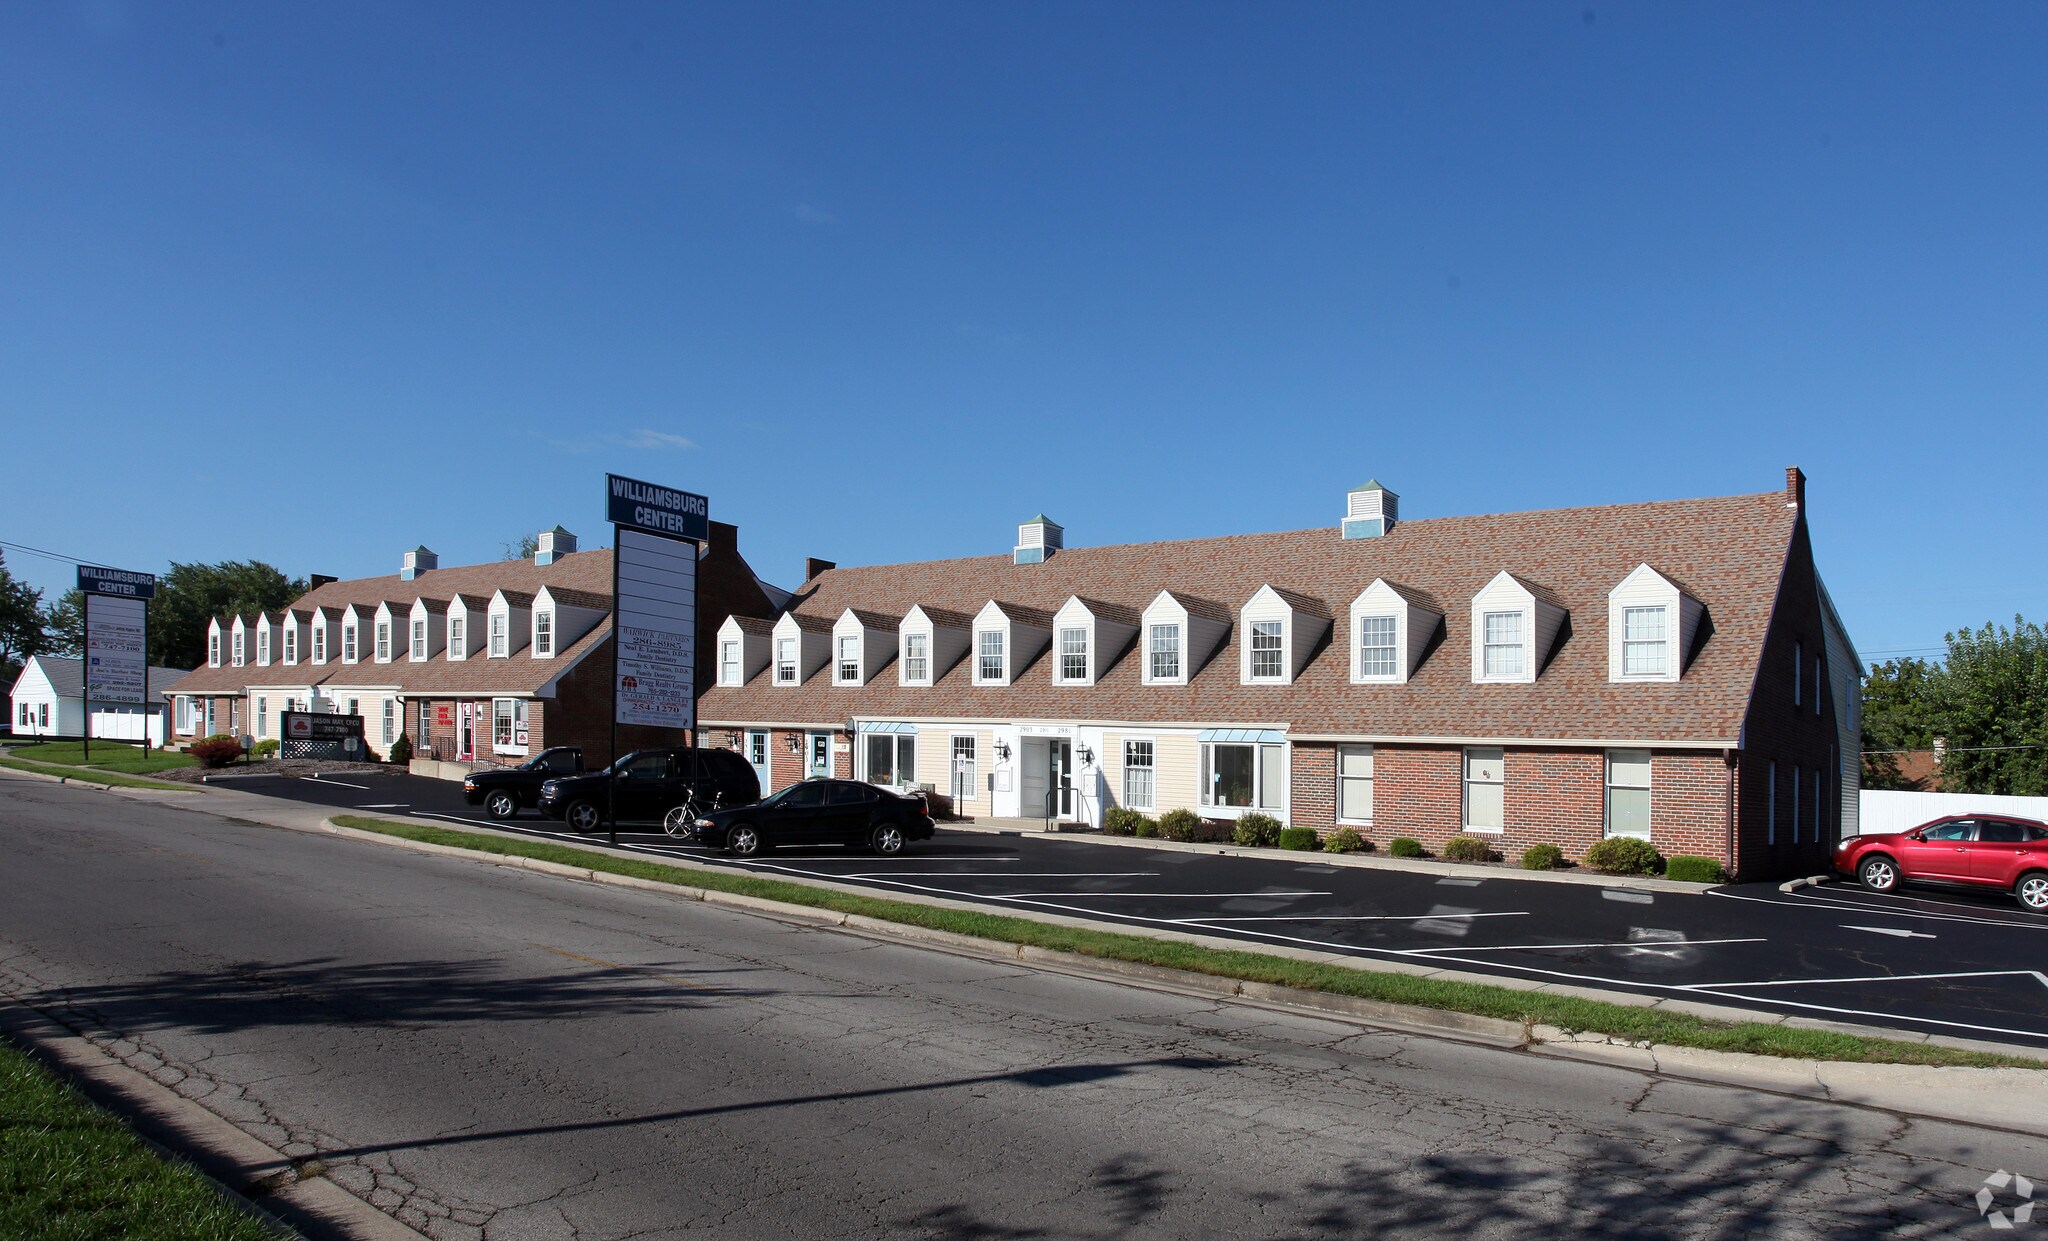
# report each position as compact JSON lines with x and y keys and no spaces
{"x":1657,"y":1026}
{"x":71,"y":1172}
{"x":106,"y":756}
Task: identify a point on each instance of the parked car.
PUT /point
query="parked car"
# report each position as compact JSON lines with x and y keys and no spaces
{"x":819,"y":812}
{"x":1970,"y":850}
{"x":504,"y":791}
{"x":671,"y":786}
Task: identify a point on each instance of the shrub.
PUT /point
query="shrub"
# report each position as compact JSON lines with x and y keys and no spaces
{"x":1214,"y":832}
{"x":401,"y":750}
{"x":1624,"y":855}
{"x":1180,"y":824}
{"x":1121,"y":821}
{"x":1261,"y":831}
{"x":1402,"y":846}
{"x":266,"y":748}
{"x":1302,"y":838}
{"x":1345,"y":840}
{"x":1468,"y":849}
{"x":1145,"y":827}
{"x":217,"y":751}
{"x":1542,"y":857}
{"x":1686,"y":868}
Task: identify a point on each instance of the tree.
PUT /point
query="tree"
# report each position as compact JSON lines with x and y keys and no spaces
{"x":1900,"y":712}
{"x":1992,"y":705}
{"x":21,"y":624}
{"x":191,"y":595}
{"x":524,"y":549}
{"x":64,"y":624}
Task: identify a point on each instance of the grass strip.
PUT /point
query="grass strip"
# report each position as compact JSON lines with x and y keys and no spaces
{"x":95,"y":776}
{"x":106,"y":756}
{"x":69,"y":1170}
{"x":1572,"y":1013}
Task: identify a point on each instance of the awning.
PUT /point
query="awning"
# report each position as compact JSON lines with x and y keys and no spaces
{"x":883,"y":726}
{"x":1253,"y":736}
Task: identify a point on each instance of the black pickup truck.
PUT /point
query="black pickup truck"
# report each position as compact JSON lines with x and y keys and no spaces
{"x":503,"y":791}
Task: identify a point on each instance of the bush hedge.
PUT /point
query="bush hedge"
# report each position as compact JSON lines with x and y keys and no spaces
{"x":1346,"y":840}
{"x":1146,"y":828}
{"x":1402,"y":846}
{"x":1300,"y":838}
{"x":1259,"y":831}
{"x":1468,"y":849}
{"x":1624,"y":855}
{"x":1121,"y":821}
{"x":401,"y":751}
{"x":266,"y":748}
{"x":1180,"y":825}
{"x":1542,"y":857}
{"x":216,"y":751}
{"x":1686,"y":868}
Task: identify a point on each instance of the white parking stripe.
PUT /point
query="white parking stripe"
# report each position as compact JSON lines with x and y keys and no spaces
{"x":1009,"y":874}
{"x":1831,"y":907}
{"x":2036,"y":975}
{"x":1360,"y":917}
{"x":341,"y":783}
{"x":1633,"y":943}
{"x":1134,"y":896}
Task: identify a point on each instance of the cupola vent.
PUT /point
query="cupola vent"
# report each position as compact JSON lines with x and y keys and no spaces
{"x":1370,"y":511}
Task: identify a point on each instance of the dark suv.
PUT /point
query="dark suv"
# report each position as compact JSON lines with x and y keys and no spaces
{"x":671,"y":786}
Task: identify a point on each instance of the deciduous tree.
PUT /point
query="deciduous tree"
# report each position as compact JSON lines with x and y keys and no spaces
{"x":190,"y":595}
{"x":21,"y":625}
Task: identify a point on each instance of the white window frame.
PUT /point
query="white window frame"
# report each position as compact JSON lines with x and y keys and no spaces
{"x":1661,"y":643}
{"x":846,"y":659}
{"x":1357,"y":782}
{"x":982,"y":656}
{"x":384,"y":641}
{"x":500,"y":635}
{"x":236,"y":646}
{"x":291,"y":642}
{"x":389,"y":722}
{"x":787,"y":652}
{"x":419,"y":638}
{"x":426,"y":725}
{"x":1392,"y":648}
{"x":1267,"y":641}
{"x":1074,"y":665}
{"x":213,"y":648}
{"x":1175,"y":647}
{"x":963,"y":782}
{"x":262,"y":717}
{"x":917,"y":659}
{"x":893,"y":747}
{"x":1647,"y":789}
{"x":262,"y":648}
{"x":1519,"y":646}
{"x":458,"y":635}
{"x":183,"y":715}
{"x":320,"y":642}
{"x":1150,"y":767}
{"x":1467,"y":783}
{"x":543,"y":633}
{"x":512,"y":713}
{"x":729,"y":665}
{"x":349,"y":650}
{"x":1264,"y":798}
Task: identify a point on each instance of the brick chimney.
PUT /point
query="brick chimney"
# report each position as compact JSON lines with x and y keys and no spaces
{"x":814,"y":566}
{"x":1795,"y":488}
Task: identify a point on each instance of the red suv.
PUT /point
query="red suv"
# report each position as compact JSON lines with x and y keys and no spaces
{"x":1970,"y":850}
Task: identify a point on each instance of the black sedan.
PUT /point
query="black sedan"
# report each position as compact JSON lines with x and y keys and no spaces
{"x":820,"y":812}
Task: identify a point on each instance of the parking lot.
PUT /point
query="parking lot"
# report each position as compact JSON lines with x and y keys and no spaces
{"x":1959,"y":964}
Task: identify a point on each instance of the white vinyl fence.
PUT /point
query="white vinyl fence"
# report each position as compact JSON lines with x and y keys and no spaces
{"x":1883,"y":810}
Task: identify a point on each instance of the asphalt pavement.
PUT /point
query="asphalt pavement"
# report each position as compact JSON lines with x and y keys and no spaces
{"x":1963,"y":965}
{"x":484,"y":1051}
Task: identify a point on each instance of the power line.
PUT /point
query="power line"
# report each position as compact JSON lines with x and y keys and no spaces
{"x":49,"y":555}
{"x":1964,"y":749}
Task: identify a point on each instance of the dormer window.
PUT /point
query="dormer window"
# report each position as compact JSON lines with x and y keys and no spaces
{"x":917,"y":659}
{"x":291,"y":642}
{"x":1074,"y":655}
{"x":1651,"y":622}
{"x":1269,"y":661}
{"x":1378,"y":657}
{"x":263,"y":648}
{"x":543,"y":633}
{"x":729,"y":662}
{"x":238,"y":648}
{"x":458,"y":635}
{"x":1645,"y":641}
{"x":989,"y":664}
{"x":1280,"y":630}
{"x":500,"y":635}
{"x":1503,"y":651}
{"x":847,"y":670}
{"x":213,"y":649}
{"x":383,"y":641}
{"x":785,"y":661}
{"x":419,"y":637}
{"x":320,"y":641}
{"x":1515,"y":626}
{"x":1162,"y":653}
{"x":348,"y":642}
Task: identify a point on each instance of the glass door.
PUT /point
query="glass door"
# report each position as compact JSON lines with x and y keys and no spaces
{"x":1062,"y":775}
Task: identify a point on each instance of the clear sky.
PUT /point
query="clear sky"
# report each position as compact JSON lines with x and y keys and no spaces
{"x":315,"y":283}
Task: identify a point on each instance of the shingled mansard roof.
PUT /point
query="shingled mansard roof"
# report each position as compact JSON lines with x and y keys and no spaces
{"x":1729,"y":551}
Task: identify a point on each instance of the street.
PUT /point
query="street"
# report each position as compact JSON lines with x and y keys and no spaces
{"x":487,"y":1052}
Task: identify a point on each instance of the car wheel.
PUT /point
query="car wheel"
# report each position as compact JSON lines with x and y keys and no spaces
{"x":583,"y":817}
{"x":1879,"y":874}
{"x":501,"y":804}
{"x":886,"y":839}
{"x":680,"y":821}
{"x":2033,"y":891}
{"x":743,"y":840}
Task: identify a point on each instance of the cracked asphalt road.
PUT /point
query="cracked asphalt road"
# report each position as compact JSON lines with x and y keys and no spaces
{"x":489,"y":1053}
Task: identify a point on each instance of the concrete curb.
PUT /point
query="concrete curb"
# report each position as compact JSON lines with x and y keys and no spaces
{"x":51,"y":777}
{"x":265,"y":1182}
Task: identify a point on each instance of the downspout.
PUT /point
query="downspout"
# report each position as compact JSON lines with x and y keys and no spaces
{"x":1728,"y":787}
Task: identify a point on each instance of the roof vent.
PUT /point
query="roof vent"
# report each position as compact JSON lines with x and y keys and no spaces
{"x":552,"y":545}
{"x":1370,"y":511}
{"x":417,"y":561}
{"x":1038,"y":539}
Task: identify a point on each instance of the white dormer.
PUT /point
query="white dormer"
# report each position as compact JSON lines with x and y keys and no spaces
{"x":1651,"y":624}
{"x":352,"y":626}
{"x":238,"y":642}
{"x":1390,"y":628}
{"x":1007,"y":637}
{"x":213,"y":642}
{"x":1370,"y":511}
{"x":508,"y":624}
{"x":1277,"y":630}
{"x":426,"y":630}
{"x":1177,"y":636}
{"x":266,"y":640}
{"x":561,"y":616}
{"x":291,"y":637}
{"x":930,"y":641}
{"x":743,"y":643}
{"x":1514,"y":624}
{"x":801,"y":646}
{"x":324,"y":636}
{"x":389,"y":631}
{"x":1038,"y":539}
{"x":467,"y":625}
{"x":1087,"y":636}
{"x":861,"y":643}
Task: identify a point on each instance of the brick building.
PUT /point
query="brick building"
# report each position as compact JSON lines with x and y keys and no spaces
{"x":477,"y":664}
{"x":1670,"y":670}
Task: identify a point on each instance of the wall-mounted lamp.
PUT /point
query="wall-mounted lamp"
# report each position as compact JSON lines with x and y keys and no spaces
{"x":1087,"y":756}
{"x":1003,"y":751}
{"x":796,"y":744}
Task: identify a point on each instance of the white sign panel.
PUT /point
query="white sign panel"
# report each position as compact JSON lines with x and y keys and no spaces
{"x":656,"y":621}
{"x":116,"y":666}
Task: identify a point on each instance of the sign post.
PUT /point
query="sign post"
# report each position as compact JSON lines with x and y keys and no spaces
{"x":655,"y":533}
{"x":116,"y":654}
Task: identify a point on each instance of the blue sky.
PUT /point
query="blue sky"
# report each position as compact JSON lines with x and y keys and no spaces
{"x":313,"y":284}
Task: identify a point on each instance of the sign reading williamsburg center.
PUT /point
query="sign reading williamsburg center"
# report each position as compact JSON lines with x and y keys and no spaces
{"x":654,"y":591}
{"x":116,"y":633}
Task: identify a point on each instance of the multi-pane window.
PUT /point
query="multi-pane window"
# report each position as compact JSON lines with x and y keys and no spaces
{"x":508,"y":725}
{"x":728,"y":663}
{"x":426,"y":722}
{"x":892,"y":758}
{"x":348,"y":644}
{"x":1503,"y":653}
{"x":262,"y":716}
{"x":419,"y":638}
{"x":1141,"y":781}
{"x":785,"y":661}
{"x":1376,"y":647}
{"x":1236,"y":775}
{"x":966,"y":768}
{"x":544,"y":633}
{"x":291,"y":643}
{"x":238,"y":650}
{"x":1164,"y":648}
{"x":757,"y":748}
{"x":1645,"y":642}
{"x":1073,"y":654}
{"x":500,"y":631}
{"x":1268,"y":663}
{"x":213,"y":650}
{"x":917,"y":660}
{"x":1485,"y":800}
{"x":458,"y":637}
{"x":390,"y":720}
{"x":383,"y":642}
{"x":1628,"y":793}
{"x":320,"y":643}
{"x":989,"y":663}
{"x":262,"y":647}
{"x":1354,"y":783}
{"x":849,"y":661}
